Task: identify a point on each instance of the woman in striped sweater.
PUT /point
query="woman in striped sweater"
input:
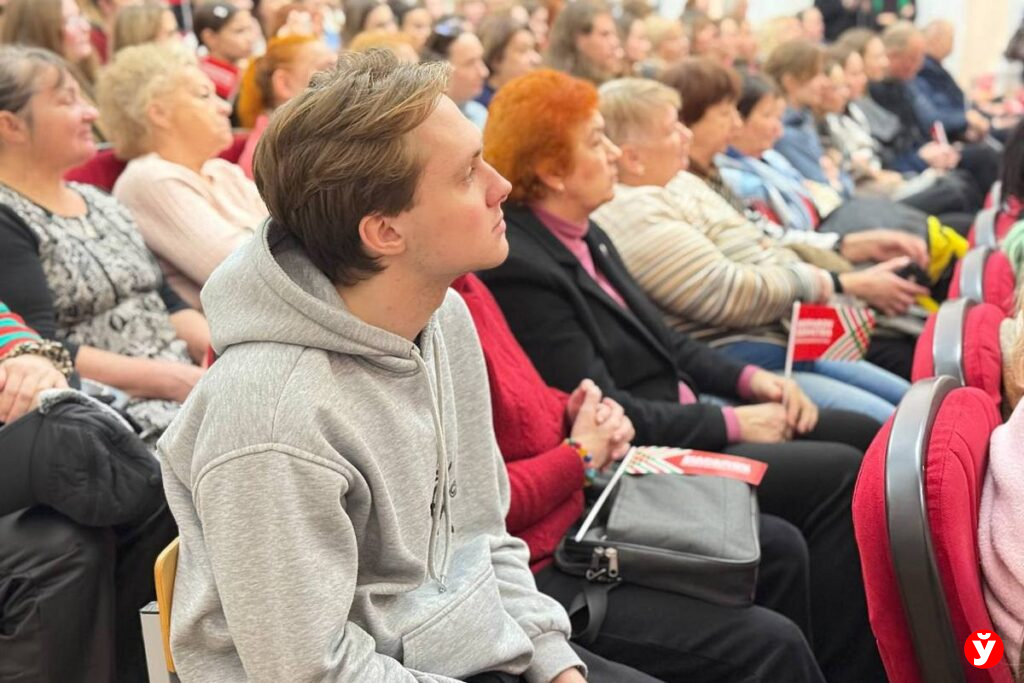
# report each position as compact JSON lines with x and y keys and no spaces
{"x":712,"y":273}
{"x":28,"y":365}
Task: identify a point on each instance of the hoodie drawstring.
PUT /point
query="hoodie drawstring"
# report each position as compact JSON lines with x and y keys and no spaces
{"x":440,"y":512}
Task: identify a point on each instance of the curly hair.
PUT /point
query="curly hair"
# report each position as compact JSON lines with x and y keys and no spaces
{"x":129,"y":84}
{"x":530,"y":126}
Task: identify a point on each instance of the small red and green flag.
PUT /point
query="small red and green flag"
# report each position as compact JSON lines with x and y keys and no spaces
{"x":840,"y":333}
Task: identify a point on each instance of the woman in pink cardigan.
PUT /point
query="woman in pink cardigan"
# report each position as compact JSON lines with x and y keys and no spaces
{"x":192,"y":208}
{"x":1000,"y":521}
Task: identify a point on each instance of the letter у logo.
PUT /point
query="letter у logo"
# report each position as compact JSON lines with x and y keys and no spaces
{"x":983,"y":649}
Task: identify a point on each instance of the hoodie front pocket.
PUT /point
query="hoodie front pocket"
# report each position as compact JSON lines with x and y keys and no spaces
{"x":471,"y":634}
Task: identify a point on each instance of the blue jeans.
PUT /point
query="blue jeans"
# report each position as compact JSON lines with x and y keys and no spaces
{"x":858,"y":386}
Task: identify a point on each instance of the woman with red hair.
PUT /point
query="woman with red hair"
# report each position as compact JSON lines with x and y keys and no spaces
{"x":578,"y":313}
{"x":272,"y":79}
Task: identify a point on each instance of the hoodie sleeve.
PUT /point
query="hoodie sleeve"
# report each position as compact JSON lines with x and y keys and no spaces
{"x":286,"y":569}
{"x":540,"y":616}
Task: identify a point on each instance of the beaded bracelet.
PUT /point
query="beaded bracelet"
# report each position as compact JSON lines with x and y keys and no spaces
{"x":581,"y":451}
{"x":50,"y":350}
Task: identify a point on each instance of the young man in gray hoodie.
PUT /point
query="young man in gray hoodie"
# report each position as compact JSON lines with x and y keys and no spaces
{"x":335,"y":477}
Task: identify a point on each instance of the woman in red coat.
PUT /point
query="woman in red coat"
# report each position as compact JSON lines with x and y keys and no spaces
{"x":667,"y":635}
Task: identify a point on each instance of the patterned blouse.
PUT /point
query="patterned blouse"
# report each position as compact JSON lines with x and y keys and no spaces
{"x":89,"y":280}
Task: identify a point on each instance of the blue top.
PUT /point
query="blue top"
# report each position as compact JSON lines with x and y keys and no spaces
{"x":937,"y":97}
{"x":801,"y":146}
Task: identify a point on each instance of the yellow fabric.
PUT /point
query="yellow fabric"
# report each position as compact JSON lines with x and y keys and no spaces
{"x":944,"y":244}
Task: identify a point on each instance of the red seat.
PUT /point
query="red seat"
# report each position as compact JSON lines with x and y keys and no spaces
{"x":984,"y":275}
{"x":962,"y":341}
{"x":915,"y":514}
{"x":104,"y":168}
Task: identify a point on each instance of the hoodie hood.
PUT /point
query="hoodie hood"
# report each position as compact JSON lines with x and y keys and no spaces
{"x":269,"y":291}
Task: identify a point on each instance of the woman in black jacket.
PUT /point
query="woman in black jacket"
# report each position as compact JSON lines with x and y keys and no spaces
{"x":578,"y":313}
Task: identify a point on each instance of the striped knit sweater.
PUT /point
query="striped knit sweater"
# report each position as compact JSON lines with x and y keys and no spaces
{"x":13,"y":331}
{"x":712,"y":272}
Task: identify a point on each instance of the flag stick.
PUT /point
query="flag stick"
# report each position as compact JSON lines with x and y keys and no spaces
{"x":623,"y":466}
{"x":792,"y":340}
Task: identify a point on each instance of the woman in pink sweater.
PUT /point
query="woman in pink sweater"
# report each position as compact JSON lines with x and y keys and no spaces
{"x":1000,"y":520}
{"x":192,"y":208}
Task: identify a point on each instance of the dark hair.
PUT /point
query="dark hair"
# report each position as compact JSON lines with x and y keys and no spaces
{"x":754,"y":89}
{"x":496,"y":32}
{"x":213,"y":16}
{"x":1012,"y":174}
{"x":402,"y":7}
{"x":446,"y":31}
{"x":356,"y":13}
{"x":702,"y":82}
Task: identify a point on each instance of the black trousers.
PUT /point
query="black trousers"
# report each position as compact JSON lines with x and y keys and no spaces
{"x":599,"y":670}
{"x":70,"y":596}
{"x":677,"y":638}
{"x":810,"y":484}
{"x":895,"y":354}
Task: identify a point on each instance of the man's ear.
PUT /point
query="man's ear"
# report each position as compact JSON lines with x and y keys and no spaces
{"x":12,"y":128}
{"x":380,"y":237}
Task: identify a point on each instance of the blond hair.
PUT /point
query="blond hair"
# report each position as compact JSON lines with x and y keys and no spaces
{"x":340,"y":151}
{"x":136,"y":24}
{"x":127,"y":87}
{"x":660,"y":28}
{"x":629,"y":104}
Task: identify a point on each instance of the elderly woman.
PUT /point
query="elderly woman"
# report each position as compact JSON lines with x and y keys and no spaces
{"x":585,"y":43}
{"x":272,"y":79}
{"x":729,"y":286}
{"x":71,"y":259}
{"x":193,"y":208}
{"x":510,"y":50}
{"x":578,"y":313}
{"x":532,"y":422}
{"x":709,"y":92}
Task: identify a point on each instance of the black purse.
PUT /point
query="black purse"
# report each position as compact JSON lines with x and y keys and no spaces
{"x":693,"y":535}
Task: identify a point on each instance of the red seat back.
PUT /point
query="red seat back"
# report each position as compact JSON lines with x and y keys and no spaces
{"x":104,"y":168}
{"x":996,"y":283}
{"x":947,"y":604}
{"x":975,"y":343}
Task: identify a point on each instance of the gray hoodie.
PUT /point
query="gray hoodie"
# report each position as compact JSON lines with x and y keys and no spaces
{"x":341,"y":498}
